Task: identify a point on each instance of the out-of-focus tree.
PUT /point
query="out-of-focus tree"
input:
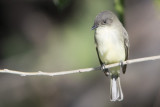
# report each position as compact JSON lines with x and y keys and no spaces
{"x":119,"y":8}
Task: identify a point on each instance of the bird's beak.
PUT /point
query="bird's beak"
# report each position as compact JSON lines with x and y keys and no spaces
{"x":94,"y":27}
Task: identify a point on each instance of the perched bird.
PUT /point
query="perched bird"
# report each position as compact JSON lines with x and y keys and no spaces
{"x":112,"y":46}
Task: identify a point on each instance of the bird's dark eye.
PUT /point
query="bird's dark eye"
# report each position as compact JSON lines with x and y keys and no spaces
{"x":104,"y":22}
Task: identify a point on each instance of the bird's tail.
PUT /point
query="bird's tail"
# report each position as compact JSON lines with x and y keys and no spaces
{"x":116,"y":93}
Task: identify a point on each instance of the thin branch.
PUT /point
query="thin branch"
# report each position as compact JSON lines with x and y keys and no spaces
{"x":40,"y":73}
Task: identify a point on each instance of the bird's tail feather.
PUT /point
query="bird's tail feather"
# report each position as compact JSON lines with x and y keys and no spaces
{"x":116,"y":93}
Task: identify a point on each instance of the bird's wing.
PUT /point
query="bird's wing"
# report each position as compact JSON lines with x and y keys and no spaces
{"x":126,"y":45}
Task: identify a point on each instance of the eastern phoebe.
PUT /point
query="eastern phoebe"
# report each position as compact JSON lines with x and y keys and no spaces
{"x":112,"y":45}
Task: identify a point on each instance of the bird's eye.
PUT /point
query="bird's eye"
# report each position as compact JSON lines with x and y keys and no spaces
{"x":104,"y":22}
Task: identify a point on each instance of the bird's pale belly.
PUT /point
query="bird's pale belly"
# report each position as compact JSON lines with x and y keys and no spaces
{"x":110,"y":45}
{"x":112,"y":54}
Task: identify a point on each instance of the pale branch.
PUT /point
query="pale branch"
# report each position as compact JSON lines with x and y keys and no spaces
{"x":40,"y":73}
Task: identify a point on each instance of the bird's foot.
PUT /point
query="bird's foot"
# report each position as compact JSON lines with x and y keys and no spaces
{"x":121,"y":64}
{"x":106,"y":71}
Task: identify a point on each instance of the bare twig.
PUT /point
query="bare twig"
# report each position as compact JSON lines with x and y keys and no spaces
{"x":40,"y":73}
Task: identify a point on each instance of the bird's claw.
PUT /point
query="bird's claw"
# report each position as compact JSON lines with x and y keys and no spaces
{"x":103,"y":67}
{"x":121,"y":64}
{"x":106,"y":71}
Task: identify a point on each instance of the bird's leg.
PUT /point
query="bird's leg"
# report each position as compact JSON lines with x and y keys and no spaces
{"x":121,"y":65}
{"x":106,"y":71}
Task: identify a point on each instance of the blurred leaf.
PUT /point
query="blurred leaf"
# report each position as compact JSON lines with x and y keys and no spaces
{"x":119,"y":8}
{"x":61,"y":4}
{"x":157,"y":3}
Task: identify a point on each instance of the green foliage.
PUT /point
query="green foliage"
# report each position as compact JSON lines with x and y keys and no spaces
{"x":119,"y":8}
{"x":157,"y":3}
{"x":61,"y":4}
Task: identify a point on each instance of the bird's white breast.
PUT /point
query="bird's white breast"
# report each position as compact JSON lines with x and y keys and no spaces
{"x":110,"y":44}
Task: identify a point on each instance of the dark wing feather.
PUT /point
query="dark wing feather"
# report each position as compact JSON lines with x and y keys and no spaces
{"x":99,"y":57}
{"x":126,"y":46}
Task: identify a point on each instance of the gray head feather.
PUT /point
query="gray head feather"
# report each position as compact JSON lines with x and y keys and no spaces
{"x":104,"y":18}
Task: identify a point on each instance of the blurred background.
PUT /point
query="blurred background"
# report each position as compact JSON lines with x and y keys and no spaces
{"x":56,"y":35}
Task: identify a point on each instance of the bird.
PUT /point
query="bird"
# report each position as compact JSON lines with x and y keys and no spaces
{"x":112,"y":46}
